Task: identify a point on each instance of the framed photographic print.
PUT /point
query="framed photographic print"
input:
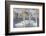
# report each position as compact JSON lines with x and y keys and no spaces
{"x":24,"y":17}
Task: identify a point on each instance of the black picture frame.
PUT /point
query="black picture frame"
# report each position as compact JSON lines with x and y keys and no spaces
{"x":7,"y":13}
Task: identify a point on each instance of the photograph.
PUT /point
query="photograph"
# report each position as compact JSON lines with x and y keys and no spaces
{"x":25,"y":17}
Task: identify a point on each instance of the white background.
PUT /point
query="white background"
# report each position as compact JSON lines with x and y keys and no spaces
{"x":26,"y":29}
{"x":2,"y":18}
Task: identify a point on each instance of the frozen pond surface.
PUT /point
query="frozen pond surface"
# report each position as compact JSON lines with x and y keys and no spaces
{"x":26,"y":23}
